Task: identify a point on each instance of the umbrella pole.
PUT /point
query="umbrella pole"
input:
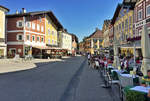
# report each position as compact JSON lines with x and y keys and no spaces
{"x":134,"y":54}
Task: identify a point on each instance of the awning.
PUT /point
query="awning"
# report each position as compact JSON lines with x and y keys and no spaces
{"x":49,"y":48}
{"x":38,"y":47}
{"x":131,"y":47}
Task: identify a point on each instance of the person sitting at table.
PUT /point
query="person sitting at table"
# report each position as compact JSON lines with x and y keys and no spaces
{"x":138,"y":60}
{"x":126,"y":64}
{"x":146,"y":79}
{"x":109,"y":61}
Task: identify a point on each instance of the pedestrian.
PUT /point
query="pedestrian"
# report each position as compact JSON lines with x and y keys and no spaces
{"x":89,"y":58}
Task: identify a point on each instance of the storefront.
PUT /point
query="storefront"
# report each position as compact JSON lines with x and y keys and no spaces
{"x":2,"y":51}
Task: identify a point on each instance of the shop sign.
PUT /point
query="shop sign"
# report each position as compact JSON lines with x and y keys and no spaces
{"x":141,"y":23}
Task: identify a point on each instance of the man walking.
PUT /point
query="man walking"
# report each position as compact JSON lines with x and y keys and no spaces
{"x":89,"y":58}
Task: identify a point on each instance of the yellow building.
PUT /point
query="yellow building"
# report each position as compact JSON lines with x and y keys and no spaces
{"x":93,"y":43}
{"x":3,"y":45}
{"x":123,"y":27}
{"x":51,"y":32}
{"x":106,"y":32}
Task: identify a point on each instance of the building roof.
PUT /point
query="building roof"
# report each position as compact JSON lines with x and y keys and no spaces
{"x":130,"y":3}
{"x":4,"y":8}
{"x":97,"y":34}
{"x":49,"y":13}
{"x":107,"y":22}
{"x":116,"y":13}
{"x":74,"y":37}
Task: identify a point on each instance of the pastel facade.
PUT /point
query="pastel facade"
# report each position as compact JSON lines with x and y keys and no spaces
{"x":81,"y":47}
{"x":123,"y":26}
{"x":29,"y":34}
{"x":66,"y":42}
{"x":25,"y":32}
{"x":3,"y":46}
{"x":74,"y":44}
{"x":106,"y":32}
{"x":93,"y":43}
{"x":141,"y":16}
{"x":51,"y":33}
{"x":111,"y":35}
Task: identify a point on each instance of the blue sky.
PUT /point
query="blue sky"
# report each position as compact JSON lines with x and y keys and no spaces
{"x":80,"y":17}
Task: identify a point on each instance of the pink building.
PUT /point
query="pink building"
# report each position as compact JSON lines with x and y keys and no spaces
{"x":141,"y":17}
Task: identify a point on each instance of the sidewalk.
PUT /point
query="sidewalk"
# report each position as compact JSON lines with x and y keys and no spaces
{"x":11,"y":65}
{"x":90,"y":88}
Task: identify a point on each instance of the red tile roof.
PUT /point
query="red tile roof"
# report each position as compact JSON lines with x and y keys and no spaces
{"x":97,"y":34}
{"x":49,"y":13}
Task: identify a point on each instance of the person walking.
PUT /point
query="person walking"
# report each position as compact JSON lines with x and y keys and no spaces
{"x":89,"y":58}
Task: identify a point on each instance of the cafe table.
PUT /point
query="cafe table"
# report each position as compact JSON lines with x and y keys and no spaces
{"x":136,"y":92}
{"x":128,"y":80}
{"x":115,"y":72}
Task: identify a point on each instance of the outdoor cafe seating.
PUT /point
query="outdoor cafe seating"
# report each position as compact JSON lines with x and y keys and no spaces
{"x":125,"y":80}
{"x":128,"y":81}
{"x":130,"y":89}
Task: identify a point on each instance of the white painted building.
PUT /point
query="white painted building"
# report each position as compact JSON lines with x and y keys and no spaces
{"x":66,"y":41}
{"x":3,"y":46}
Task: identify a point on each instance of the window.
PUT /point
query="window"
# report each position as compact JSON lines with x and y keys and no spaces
{"x":28,"y":37}
{"x":140,"y":32}
{"x":40,"y":19}
{"x":28,"y":24}
{"x":49,"y":41}
{"x":12,"y":51}
{"x":126,"y":24}
{"x":95,"y":46}
{"x":49,"y":32}
{"x":19,"y":37}
{"x":42,"y":29}
{"x":136,"y":33}
{"x":33,"y":38}
{"x":33,"y":25}
{"x":119,"y":27}
{"x":122,"y":26}
{"x":130,"y":22}
{"x":148,"y":30}
{"x":49,"y":22}
{"x":38,"y":39}
{"x":20,"y":23}
{"x":127,"y":36}
{"x":52,"y":32}
{"x":42,"y":39}
{"x":148,"y":10}
{"x":95,"y":40}
{"x":140,"y":15}
{"x":38,"y":27}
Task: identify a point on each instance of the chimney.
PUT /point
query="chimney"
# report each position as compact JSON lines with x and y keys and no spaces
{"x":24,"y":10}
{"x":17,"y":12}
{"x":97,"y":29}
{"x":65,"y":30}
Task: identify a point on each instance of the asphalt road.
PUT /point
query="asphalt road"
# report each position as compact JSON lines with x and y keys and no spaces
{"x":69,"y":80}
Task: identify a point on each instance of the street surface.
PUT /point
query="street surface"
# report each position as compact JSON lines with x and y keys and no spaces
{"x":67,"y":80}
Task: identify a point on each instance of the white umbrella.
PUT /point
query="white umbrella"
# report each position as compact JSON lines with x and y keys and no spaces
{"x":145,"y":44}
